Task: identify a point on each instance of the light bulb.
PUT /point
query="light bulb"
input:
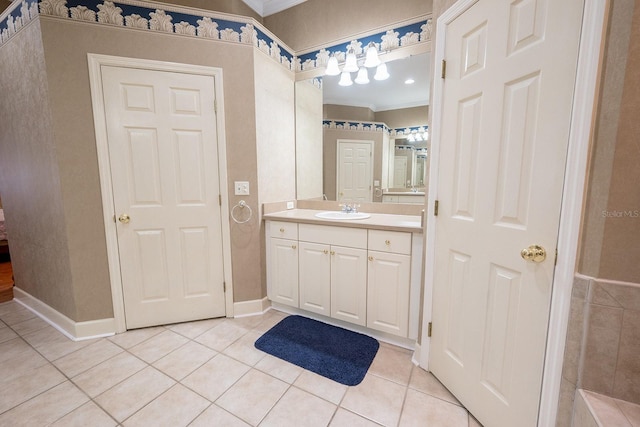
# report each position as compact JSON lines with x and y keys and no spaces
{"x":372,"y":59}
{"x":363,"y":77}
{"x":332,"y":67}
{"x":345,"y":79}
{"x":351,"y":64}
{"x":381,"y":72}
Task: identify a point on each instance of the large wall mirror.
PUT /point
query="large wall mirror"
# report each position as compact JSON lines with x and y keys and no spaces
{"x":365,"y":142}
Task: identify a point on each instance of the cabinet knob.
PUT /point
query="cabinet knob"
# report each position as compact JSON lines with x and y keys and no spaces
{"x":293,"y":246}
{"x":370,"y":258}
{"x":333,"y":252}
{"x":282,"y":230}
{"x":387,"y":242}
{"x":326,"y":252}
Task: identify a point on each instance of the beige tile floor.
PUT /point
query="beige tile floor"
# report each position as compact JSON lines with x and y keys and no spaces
{"x":205,"y":373}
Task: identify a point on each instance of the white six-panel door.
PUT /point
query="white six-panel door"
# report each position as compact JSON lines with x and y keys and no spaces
{"x":355,"y":159}
{"x":162,"y":140}
{"x":507,"y":99}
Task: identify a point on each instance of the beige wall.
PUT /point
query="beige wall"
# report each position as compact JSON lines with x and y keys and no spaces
{"x":4,"y":4}
{"x":29,"y":175}
{"x":610,"y":237}
{"x":346,"y":112}
{"x":404,"y":117}
{"x":235,"y":7}
{"x":66,"y":45}
{"x":308,"y":140}
{"x":275,"y":130}
{"x":330,"y":141}
{"x":317,"y":22}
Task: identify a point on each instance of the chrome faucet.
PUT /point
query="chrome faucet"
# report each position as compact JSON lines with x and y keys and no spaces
{"x":349,"y":207}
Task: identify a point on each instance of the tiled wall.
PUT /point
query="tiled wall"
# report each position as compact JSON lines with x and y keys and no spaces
{"x":603,"y":343}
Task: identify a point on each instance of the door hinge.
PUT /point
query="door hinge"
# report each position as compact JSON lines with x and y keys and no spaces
{"x":429,"y":328}
{"x":224,"y":286}
{"x":555,"y":261}
{"x":114,"y":219}
{"x":435,"y":208}
{"x":220,"y":199}
{"x":215,"y":106}
{"x":444,"y":68}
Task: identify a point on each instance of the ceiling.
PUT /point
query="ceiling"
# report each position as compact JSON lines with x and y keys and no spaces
{"x":269,"y":7}
{"x":390,"y":94}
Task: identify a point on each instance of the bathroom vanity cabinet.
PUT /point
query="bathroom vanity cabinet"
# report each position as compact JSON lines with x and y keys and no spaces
{"x":283,"y":263}
{"x":362,"y":275}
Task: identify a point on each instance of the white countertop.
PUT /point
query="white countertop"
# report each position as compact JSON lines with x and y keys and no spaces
{"x":409,"y":223}
{"x":403,"y":193}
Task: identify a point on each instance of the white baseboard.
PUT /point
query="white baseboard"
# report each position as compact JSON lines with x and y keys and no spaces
{"x":77,"y":331}
{"x":415,"y":358}
{"x":251,"y":308}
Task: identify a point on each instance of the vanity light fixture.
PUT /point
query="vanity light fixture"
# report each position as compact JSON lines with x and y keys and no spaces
{"x":351,"y":66}
{"x":351,"y":63}
{"x":363,"y":76}
{"x":371,"y":59}
{"x":345,"y":79}
{"x":381,"y":72}
{"x":332,"y":67}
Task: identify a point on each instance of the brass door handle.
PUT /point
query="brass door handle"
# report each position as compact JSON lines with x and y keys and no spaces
{"x":534,"y":253}
{"x":124,"y":218}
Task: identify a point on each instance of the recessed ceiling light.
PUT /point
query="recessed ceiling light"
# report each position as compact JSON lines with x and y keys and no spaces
{"x":409,"y":81}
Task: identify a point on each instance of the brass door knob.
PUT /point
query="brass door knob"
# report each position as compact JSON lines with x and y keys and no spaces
{"x":124,"y":218}
{"x":534,"y":253}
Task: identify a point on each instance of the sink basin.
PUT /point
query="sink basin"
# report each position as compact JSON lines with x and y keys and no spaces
{"x":342,"y":215}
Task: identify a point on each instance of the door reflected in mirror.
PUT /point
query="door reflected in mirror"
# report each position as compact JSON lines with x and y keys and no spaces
{"x":370,"y":141}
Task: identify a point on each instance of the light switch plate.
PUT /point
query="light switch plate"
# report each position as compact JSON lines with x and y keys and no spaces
{"x":290,"y":205}
{"x":242,"y":188}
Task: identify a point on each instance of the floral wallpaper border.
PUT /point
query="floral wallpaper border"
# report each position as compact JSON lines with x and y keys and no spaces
{"x":148,"y":16}
{"x":143,"y":15}
{"x":386,"y":41}
{"x":370,"y":127}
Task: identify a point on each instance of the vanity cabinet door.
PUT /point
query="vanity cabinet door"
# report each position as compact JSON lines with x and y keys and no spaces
{"x":349,"y":284}
{"x":315,"y":275}
{"x":282,"y":286}
{"x":388,"y":292}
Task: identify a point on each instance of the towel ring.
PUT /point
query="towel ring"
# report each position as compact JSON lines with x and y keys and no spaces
{"x":241,"y":204}
{"x":378,"y":192}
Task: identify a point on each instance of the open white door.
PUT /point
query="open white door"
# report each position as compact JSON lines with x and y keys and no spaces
{"x":400,"y":172}
{"x":162,"y":141}
{"x":506,"y":112}
{"x":355,"y":160}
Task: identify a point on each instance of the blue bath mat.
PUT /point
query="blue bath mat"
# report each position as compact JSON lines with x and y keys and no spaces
{"x":327,"y":350}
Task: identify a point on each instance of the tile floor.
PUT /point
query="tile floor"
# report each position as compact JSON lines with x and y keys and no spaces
{"x":205,"y":373}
